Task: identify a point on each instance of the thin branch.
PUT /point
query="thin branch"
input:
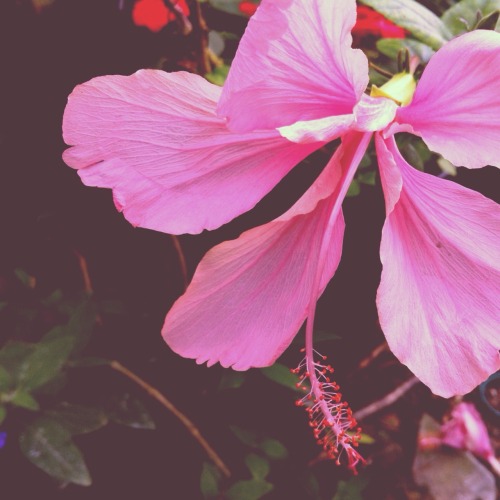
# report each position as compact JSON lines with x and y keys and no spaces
{"x":182,"y":20}
{"x":84,"y":270}
{"x":192,"y":429}
{"x":201,"y":29}
{"x":380,"y":70}
{"x":387,"y":400}
{"x":373,"y":355}
{"x":182,"y":259}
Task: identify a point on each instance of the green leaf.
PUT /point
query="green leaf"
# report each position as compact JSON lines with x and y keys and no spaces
{"x":209,"y":480}
{"x":412,"y":156}
{"x":79,"y":327}
{"x":48,"y":445}
{"x":366,"y":161}
{"x":489,"y":22}
{"x":53,"y":299}
{"x":229,"y":6}
{"x":81,"y":324}
{"x":352,"y":489}
{"x":354,"y":189}
{"x":218,"y":75}
{"x":247,"y":437}
{"x":258,"y":466}
{"x":13,"y":358}
{"x":231,"y":380}
{"x":390,"y":47}
{"x":376,"y":78}
{"x":3,"y":413}
{"x":325,"y":336}
{"x":366,"y":439}
{"x":249,"y":490}
{"x":5,"y":379}
{"x":24,"y":400}
{"x":273,"y":449}
{"x":54,"y":385}
{"x":422,"y":150}
{"x":129,"y":411}
{"x":367,"y":178}
{"x":415,"y":18}
{"x":462,"y":16}
{"x":78,"y":419}
{"x":281,"y":375}
{"x":45,"y":362}
{"x":27,"y":280}
{"x":310,"y":484}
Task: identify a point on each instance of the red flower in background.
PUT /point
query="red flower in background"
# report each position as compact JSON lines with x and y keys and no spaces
{"x":248,"y":8}
{"x":154,"y":14}
{"x":370,"y":22}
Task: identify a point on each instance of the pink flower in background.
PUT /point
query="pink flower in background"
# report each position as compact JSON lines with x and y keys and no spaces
{"x":183,"y":155}
{"x":465,"y":430}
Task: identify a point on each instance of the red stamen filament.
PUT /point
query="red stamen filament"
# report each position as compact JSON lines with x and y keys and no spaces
{"x":329,"y":418}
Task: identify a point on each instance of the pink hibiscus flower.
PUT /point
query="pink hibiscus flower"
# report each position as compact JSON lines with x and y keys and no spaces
{"x":182,"y":155}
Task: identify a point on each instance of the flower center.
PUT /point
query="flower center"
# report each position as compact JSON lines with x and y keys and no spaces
{"x":400,"y":88}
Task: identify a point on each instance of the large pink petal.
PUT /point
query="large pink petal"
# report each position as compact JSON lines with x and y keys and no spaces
{"x":249,"y":296}
{"x":154,"y":138}
{"x":456,"y":107}
{"x":438,"y":297}
{"x":294,"y":63}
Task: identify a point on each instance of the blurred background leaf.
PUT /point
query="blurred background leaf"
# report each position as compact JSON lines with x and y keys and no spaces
{"x":464,"y":15}
{"x":422,"y":23}
{"x":48,"y":446}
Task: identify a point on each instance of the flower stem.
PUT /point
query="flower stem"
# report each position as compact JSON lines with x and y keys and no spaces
{"x":182,"y":259}
{"x":192,"y":429}
{"x":182,"y":20}
{"x":387,"y":400}
{"x":201,"y":29}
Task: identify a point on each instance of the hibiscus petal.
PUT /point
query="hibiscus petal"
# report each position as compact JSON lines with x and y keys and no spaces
{"x":323,"y":129}
{"x":456,"y":106}
{"x":294,"y":63}
{"x":374,"y":113}
{"x":249,"y":296}
{"x":154,"y":139}
{"x":438,"y":297}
